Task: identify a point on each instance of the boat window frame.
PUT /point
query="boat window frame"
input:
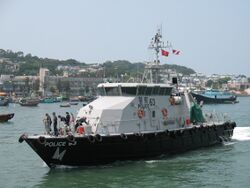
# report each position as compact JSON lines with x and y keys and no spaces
{"x":142,"y":93}
{"x":125,"y":89}
{"x":149,"y":91}
{"x":162,"y":91}
{"x":101,"y":91}
{"x":157,"y":91}
{"x":112,"y":91}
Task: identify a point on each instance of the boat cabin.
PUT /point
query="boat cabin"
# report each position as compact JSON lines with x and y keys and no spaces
{"x":134,"y":107}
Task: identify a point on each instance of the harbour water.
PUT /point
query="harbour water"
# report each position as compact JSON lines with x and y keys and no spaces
{"x":220,"y":166}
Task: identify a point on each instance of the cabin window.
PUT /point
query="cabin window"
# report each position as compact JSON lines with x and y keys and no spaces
{"x":101,"y":91}
{"x":165,"y":91}
{"x":142,"y":90}
{"x":168,"y":91}
{"x":156,"y":90}
{"x":148,"y":91}
{"x":129,"y":90}
{"x":162,"y":91}
{"x":112,"y":91}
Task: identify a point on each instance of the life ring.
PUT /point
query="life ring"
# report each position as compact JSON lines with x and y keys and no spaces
{"x":164,"y":112}
{"x":98,"y":138}
{"x":71,"y":138}
{"x":140,"y":113}
{"x":91,"y":139}
{"x":41,"y":140}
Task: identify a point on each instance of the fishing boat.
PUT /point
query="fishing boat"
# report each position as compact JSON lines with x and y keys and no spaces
{"x":28,"y":101}
{"x":212,"y":96}
{"x":6,"y":117}
{"x":133,"y":121}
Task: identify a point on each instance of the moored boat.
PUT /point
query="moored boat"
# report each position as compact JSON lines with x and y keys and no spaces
{"x":4,"y":101}
{"x":48,"y":100}
{"x":28,"y":101}
{"x":215,"y":97}
{"x":73,"y":103}
{"x":6,"y":117}
{"x":65,"y":105}
{"x":131,"y":121}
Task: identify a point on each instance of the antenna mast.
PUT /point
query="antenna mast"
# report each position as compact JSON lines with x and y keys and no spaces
{"x":151,"y":73}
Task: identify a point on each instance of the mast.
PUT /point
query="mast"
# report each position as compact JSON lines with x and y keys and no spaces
{"x":152,"y":69}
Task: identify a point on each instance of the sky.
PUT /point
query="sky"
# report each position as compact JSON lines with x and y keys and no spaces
{"x":212,"y":35}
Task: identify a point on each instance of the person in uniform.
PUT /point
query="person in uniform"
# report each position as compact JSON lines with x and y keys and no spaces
{"x":67,"y":119}
{"x":55,"y":124}
{"x":47,"y":123}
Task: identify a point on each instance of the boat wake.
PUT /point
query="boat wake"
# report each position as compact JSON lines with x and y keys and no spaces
{"x":241,"y":134}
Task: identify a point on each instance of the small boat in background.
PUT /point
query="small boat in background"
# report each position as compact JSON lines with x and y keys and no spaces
{"x":214,"y":97}
{"x":48,"y":100}
{"x":4,"y":100}
{"x":29,"y":101}
{"x":73,"y":103}
{"x":65,"y":105}
{"x":85,"y":103}
{"x":6,"y":117}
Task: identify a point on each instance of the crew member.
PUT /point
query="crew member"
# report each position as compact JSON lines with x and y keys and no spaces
{"x":55,"y":124}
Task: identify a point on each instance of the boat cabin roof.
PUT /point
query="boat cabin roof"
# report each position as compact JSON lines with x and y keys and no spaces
{"x":133,"y":89}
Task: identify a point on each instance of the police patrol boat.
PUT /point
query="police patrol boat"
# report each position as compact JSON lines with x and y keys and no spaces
{"x":132,"y":121}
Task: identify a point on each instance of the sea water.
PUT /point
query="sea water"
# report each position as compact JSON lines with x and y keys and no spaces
{"x":220,"y":166}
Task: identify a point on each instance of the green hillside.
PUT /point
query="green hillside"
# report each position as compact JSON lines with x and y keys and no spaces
{"x":29,"y":65}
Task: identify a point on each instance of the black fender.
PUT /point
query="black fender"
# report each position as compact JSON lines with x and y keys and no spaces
{"x":124,"y":136}
{"x":41,"y":140}
{"x":98,"y":137}
{"x":91,"y":138}
{"x":71,"y":138}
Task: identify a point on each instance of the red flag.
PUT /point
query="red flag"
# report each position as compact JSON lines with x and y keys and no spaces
{"x":164,"y":53}
{"x":176,"y":52}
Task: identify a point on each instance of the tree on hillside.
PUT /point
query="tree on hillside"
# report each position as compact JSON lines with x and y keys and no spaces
{"x":209,"y":83}
{"x":223,"y":80}
{"x":59,"y":85}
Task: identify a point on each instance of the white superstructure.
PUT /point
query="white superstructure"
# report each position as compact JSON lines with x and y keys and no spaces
{"x":135,"y":107}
